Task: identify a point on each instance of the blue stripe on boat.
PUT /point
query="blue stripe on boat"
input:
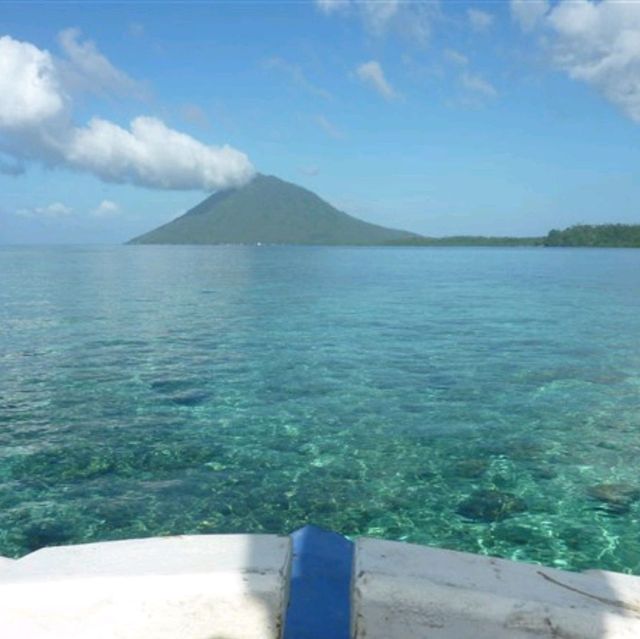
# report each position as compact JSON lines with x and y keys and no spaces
{"x":319,"y":596}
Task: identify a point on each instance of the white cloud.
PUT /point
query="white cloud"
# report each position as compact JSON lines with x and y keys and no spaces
{"x":529,"y":13}
{"x":87,"y":68}
{"x":329,"y":127}
{"x":56,"y":210}
{"x":597,"y":43}
{"x":106,"y":209}
{"x":297,"y":76}
{"x":409,"y":19}
{"x":35,"y":124}
{"x":456,"y":57}
{"x":479,"y":20}
{"x":378,"y":15}
{"x":371,"y":73}
{"x":151,"y":154}
{"x":30,"y":91}
{"x":332,"y":6}
{"x":477,"y":84}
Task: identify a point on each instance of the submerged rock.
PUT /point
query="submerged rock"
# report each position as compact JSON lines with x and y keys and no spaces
{"x":471,"y":468}
{"x":526,"y":449}
{"x":425,"y":474}
{"x":518,"y":535}
{"x":544,"y":472}
{"x":491,"y":505}
{"x":617,"y":497}
{"x":116,"y":514}
{"x":47,"y":532}
{"x":189,"y":398}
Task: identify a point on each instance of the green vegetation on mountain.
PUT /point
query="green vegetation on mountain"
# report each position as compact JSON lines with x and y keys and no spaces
{"x":602,"y":235}
{"x":268,"y":210}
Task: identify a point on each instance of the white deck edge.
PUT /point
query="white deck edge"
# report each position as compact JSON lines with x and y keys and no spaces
{"x":236,"y":587}
{"x":408,"y":591}
{"x":191,"y":587}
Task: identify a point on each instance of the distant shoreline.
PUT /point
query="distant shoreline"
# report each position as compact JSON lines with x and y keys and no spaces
{"x":469,"y":240}
{"x":581,"y":235}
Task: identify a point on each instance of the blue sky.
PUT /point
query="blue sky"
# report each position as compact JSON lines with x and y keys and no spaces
{"x":503,"y":118}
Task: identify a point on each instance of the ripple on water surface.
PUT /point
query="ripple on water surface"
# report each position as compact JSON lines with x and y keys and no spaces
{"x":481,"y":399}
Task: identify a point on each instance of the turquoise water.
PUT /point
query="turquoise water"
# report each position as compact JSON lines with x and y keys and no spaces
{"x":485,"y":400}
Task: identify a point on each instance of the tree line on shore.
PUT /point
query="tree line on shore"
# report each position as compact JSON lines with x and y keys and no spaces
{"x":599,"y":235}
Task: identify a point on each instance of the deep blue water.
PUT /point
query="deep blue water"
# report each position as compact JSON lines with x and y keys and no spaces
{"x":478,"y":399}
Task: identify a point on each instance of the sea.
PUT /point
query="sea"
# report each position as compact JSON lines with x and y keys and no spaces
{"x":476,"y":399}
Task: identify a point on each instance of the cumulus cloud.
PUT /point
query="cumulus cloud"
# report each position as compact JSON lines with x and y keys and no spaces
{"x":106,"y":208}
{"x":151,"y":154}
{"x":30,"y":90}
{"x":597,"y":43}
{"x":36,"y":124}
{"x":371,"y":73}
{"x":409,"y":19}
{"x":479,"y":20}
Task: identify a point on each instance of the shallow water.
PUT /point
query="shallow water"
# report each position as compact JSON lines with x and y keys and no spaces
{"x":485,"y":400}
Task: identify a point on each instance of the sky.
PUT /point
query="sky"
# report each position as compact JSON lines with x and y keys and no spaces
{"x":443,"y":118}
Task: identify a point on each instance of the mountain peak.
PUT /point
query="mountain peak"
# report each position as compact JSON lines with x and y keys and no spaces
{"x":268,"y":210}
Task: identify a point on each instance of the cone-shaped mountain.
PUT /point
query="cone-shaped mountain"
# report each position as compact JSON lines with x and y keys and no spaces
{"x":270,"y":211}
